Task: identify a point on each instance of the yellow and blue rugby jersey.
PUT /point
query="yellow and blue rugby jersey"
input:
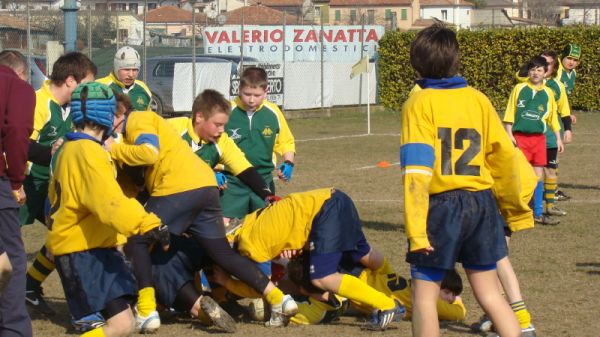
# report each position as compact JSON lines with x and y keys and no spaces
{"x":267,"y":232}
{"x":260,"y":135}
{"x":395,"y":286}
{"x":88,"y":208}
{"x":151,"y":141}
{"x":531,"y":109}
{"x":452,"y":139}
{"x":223,"y":151}
{"x":139,"y":93}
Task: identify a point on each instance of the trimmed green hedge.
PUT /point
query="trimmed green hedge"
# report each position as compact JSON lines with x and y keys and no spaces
{"x":490,"y":59}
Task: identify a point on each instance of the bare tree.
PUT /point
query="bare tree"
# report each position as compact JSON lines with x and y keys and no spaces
{"x":544,"y":11}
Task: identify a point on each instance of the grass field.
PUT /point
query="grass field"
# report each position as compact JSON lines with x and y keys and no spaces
{"x":558,"y":267}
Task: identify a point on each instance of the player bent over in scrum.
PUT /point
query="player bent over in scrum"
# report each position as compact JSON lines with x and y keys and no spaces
{"x":323,"y":223}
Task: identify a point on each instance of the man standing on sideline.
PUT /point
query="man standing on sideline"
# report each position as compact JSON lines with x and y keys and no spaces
{"x":17,"y":102}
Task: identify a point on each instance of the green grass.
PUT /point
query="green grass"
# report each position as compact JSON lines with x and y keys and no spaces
{"x":558,"y":267}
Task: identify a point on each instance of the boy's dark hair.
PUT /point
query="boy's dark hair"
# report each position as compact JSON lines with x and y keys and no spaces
{"x":434,"y":53}
{"x":554,"y":56}
{"x":13,"y":59}
{"x":123,"y":99}
{"x":453,"y":282}
{"x":73,"y":64}
{"x":254,"y":77}
{"x":536,"y":62}
{"x":298,"y":271}
{"x":210,"y":102}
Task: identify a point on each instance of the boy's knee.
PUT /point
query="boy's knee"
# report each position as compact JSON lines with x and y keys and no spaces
{"x":323,"y":283}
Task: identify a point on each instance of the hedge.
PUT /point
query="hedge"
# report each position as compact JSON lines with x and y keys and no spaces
{"x":490,"y":59}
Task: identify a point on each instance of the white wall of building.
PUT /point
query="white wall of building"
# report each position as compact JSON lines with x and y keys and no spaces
{"x":457,"y":15}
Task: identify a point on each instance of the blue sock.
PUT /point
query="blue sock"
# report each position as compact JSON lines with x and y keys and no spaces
{"x":538,"y":199}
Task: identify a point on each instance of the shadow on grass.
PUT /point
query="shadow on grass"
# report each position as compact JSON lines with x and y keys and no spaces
{"x":588,"y":264}
{"x":590,"y":268}
{"x":61,"y":318}
{"x":579,"y":187}
{"x":459,"y":327}
{"x":383,"y":226}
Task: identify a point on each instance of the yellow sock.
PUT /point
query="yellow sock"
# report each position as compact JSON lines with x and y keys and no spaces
{"x":146,"y":301}
{"x":522,"y":314}
{"x":275,"y":297}
{"x":356,"y":290}
{"x":385,"y":267}
{"x":98,"y":332}
{"x":41,"y":267}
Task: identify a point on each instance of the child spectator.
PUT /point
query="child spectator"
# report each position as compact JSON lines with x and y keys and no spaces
{"x":453,"y":150}
{"x":531,"y":109}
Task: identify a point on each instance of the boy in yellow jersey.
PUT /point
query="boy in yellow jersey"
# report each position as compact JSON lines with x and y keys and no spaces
{"x":124,"y":76}
{"x":87,"y":227}
{"x":530,"y":111}
{"x":322,"y":307}
{"x":204,"y":133}
{"x":184,"y":195}
{"x":52,"y":120}
{"x":453,"y":150}
{"x":324,"y":224}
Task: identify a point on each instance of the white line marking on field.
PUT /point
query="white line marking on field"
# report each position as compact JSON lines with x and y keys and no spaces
{"x":348,"y":136}
{"x":572,"y":201}
{"x":373,"y":166}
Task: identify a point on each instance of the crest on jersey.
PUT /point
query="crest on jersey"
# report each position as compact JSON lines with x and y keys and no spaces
{"x":267,"y":132}
{"x":521,"y":103}
{"x":540,"y":108}
{"x":140,"y":100}
{"x":234,"y":134}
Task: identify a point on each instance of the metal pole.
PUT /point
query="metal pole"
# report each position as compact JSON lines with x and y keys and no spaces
{"x":29,"y":42}
{"x":144,"y":39}
{"x":90,"y":42}
{"x":283,"y":54}
{"x":322,"y":65}
{"x":362,"y":41}
{"x":70,"y":15}
{"x":242,"y":39}
{"x":193,"y":51}
{"x":117,"y":14}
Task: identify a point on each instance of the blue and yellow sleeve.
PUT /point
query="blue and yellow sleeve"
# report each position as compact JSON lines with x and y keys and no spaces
{"x":141,"y":146}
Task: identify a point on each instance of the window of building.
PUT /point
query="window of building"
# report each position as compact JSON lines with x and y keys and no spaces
{"x":123,"y":33}
{"x":100,"y":7}
{"x":151,"y":5}
{"x":370,"y":16}
{"x":404,"y":14}
{"x":133,"y":7}
{"x":338,"y":15}
{"x":318,"y":12}
{"x":388,"y":14}
{"x":444,"y":15}
{"x":352,"y":16}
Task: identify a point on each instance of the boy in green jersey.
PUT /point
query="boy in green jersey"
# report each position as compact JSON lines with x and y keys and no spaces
{"x":259,"y":129}
{"x":124,"y":76}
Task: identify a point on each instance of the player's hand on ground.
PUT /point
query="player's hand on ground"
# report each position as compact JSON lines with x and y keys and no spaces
{"x":286,"y":170}
{"x":161,"y":235}
{"x":573,"y":119}
{"x":271,"y":199}
{"x":568,"y":137}
{"x":221,"y":180}
{"x":20,"y":196}
{"x":289,"y":254}
{"x":56,"y":145}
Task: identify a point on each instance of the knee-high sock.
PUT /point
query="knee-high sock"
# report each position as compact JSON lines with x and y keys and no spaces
{"x":146,"y":301}
{"x":356,"y":290}
{"x":522,"y":314}
{"x":550,"y":191}
{"x":538,"y":199}
{"x":39,"y":269}
{"x":98,"y":332}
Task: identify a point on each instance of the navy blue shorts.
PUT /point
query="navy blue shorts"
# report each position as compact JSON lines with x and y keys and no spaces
{"x":93,"y":278}
{"x":336,"y":231}
{"x":464,"y":227}
{"x":197,"y":212}
{"x":176,"y":267}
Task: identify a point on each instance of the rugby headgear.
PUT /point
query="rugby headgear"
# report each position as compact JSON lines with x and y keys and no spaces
{"x":571,"y":50}
{"x":93,"y":102}
{"x":126,"y":58}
